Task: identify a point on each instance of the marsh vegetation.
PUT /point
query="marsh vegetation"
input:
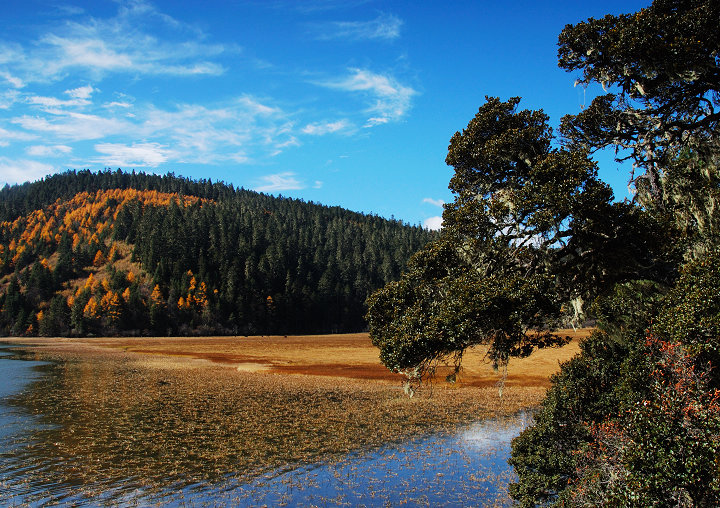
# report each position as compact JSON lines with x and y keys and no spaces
{"x":141,"y":420}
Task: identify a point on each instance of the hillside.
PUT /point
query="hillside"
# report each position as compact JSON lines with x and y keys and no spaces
{"x":115,"y":253}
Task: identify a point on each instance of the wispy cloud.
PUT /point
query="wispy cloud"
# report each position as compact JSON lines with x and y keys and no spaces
{"x":389,"y":99}
{"x":6,"y":136}
{"x":78,"y":97}
{"x":280,"y":182}
{"x":20,"y":170}
{"x":123,"y":43}
{"x":73,"y":126}
{"x":322,"y":128}
{"x":384,"y":27}
{"x":228,"y":131}
{"x":8,"y":98}
{"x":82,"y":93}
{"x":138,"y":155}
{"x":13,"y":80}
{"x":312,"y":6}
{"x":48,"y":151}
{"x":434,"y":202}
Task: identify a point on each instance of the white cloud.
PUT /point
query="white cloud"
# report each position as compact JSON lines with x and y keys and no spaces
{"x":13,"y":80}
{"x":229,"y":131}
{"x":141,"y":154}
{"x":48,"y":151}
{"x":385,"y":26}
{"x":123,"y":43}
{"x":435,"y":202}
{"x":280,"y":182}
{"x":8,"y":98}
{"x":433,"y":223}
{"x":313,"y":6}
{"x":19,"y":171}
{"x":390,"y":99}
{"x":117,"y":104}
{"x":81,"y":93}
{"x":74,"y":126}
{"x":320,"y":129}
{"x":204,"y":134}
{"x":78,"y":97}
{"x":7,"y":136}
{"x":318,"y":184}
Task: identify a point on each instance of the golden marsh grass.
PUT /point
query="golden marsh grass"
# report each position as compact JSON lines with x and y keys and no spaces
{"x":156,"y":412}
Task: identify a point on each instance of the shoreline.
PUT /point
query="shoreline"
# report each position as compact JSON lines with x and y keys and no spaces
{"x":325,"y":361}
{"x":187,"y":411}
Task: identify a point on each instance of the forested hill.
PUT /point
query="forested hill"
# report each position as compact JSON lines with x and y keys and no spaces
{"x":111,"y":253}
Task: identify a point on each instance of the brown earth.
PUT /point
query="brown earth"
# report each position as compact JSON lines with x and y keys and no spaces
{"x":192,"y":409}
{"x":349,"y":356}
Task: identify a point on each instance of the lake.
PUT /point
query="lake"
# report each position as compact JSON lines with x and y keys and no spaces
{"x":88,"y":433}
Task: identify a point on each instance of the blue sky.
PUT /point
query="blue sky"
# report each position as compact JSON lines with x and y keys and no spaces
{"x":341,"y":102}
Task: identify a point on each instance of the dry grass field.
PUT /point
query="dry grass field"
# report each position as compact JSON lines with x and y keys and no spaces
{"x":161,"y":411}
{"x":350,"y":357}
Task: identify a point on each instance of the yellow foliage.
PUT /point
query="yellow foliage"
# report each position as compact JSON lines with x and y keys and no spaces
{"x":91,"y":308}
{"x":156,"y":296}
{"x":201,"y":295}
{"x":126,"y":294}
{"x":110,"y":303}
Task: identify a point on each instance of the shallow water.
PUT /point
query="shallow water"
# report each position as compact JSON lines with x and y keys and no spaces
{"x":81,"y":435}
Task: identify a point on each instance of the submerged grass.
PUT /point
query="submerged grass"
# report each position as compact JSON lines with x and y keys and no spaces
{"x":116,"y":422}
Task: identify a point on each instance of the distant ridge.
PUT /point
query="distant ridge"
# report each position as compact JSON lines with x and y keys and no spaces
{"x":116,"y":253}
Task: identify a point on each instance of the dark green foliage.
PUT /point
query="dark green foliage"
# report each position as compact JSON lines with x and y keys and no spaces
{"x":315,"y":264}
{"x":662,"y":65}
{"x":56,"y":319}
{"x":634,"y":419}
{"x":650,"y":436}
{"x":531,"y":229}
{"x":693,"y":315}
{"x":545,"y":455}
{"x":440,"y":307}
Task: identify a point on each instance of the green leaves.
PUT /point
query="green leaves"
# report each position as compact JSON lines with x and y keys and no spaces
{"x":662,"y":65}
{"x":494,"y":275}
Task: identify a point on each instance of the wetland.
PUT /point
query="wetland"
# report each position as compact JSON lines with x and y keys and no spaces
{"x":251,"y":421}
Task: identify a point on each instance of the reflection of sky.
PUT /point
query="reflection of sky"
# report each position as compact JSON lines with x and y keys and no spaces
{"x":14,"y":423}
{"x":487,"y":435}
{"x":468,"y":468}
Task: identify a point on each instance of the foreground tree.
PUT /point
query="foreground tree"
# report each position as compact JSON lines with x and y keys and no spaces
{"x":633,"y":419}
{"x":663,"y":112}
{"x":511,"y":257}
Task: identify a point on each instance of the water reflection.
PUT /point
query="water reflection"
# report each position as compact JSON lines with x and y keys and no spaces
{"x":447,"y":469}
{"x":110,"y":431}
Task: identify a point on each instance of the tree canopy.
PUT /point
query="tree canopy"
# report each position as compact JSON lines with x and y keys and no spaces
{"x":534,"y":239}
{"x":510,"y":256}
{"x":127,"y":253}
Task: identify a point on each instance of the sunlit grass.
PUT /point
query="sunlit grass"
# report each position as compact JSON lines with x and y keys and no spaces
{"x":167,"y":419}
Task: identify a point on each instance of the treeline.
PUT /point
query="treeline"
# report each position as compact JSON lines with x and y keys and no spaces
{"x":534,"y":241}
{"x":129,"y":253}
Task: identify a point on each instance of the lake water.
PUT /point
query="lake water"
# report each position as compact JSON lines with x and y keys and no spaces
{"x":86,"y":456}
